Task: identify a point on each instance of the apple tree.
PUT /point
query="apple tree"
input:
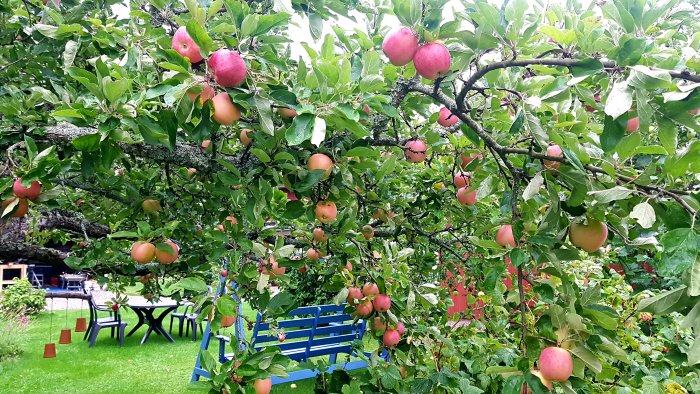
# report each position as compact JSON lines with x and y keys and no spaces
{"x":402,"y":148}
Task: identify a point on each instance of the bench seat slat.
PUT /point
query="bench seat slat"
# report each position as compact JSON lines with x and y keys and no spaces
{"x":334,"y":319}
{"x":337,"y":339}
{"x":290,"y":323}
{"x":339,"y":329}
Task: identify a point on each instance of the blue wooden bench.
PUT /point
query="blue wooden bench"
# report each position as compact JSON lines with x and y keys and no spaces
{"x":311,"y":331}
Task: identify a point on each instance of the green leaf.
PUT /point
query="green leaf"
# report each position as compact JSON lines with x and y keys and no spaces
{"x":644,"y":213}
{"x":191,"y":283}
{"x":113,"y":90}
{"x":610,"y":195}
{"x":300,"y":129}
{"x":226,"y":305}
{"x":666,"y":302}
{"x":680,"y":251}
{"x":612,"y":134}
{"x":362,"y":151}
{"x":694,"y":285}
{"x":588,"y":358}
{"x":265,"y":112}
{"x":200,"y":37}
{"x":88,"y":143}
{"x":620,"y":99}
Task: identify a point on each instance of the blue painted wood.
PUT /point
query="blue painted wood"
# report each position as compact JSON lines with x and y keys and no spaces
{"x":308,"y":374}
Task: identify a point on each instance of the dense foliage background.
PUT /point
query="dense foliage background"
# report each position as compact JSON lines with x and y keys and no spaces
{"x":96,"y":108}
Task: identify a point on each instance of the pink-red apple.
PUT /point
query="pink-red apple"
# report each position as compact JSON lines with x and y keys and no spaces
{"x":225,"y":112}
{"x":462,"y":179}
{"x":504,"y":236}
{"x":370,"y":289}
{"x":185,"y":46}
{"x":262,"y":386}
{"x":632,"y":124}
{"x":313,"y":254}
{"x":368,"y":232}
{"x":553,"y":150}
{"x":364,"y":309}
{"x":400,"y":45}
{"x":466,"y":159}
{"x":415,"y":151}
{"x":391,"y":338}
{"x":466,"y":197}
{"x":381,"y":303}
{"x":228,"y":67}
{"x":354,"y":293}
{"x":32,"y":192}
{"x":432,"y":60}
{"x":446,"y":118}
{"x":555,"y":364}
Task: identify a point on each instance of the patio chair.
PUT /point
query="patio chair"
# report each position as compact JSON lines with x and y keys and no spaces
{"x":191,"y":319}
{"x":181,"y":317}
{"x":114,"y":321}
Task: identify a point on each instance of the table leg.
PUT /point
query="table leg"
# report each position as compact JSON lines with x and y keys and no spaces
{"x":139,"y":313}
{"x":158,"y":323}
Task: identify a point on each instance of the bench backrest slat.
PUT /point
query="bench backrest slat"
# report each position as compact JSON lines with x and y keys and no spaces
{"x":310,"y":326}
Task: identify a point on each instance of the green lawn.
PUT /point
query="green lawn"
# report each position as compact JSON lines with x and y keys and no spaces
{"x":156,"y":367}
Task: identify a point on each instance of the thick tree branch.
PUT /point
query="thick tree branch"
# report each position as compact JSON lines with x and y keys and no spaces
{"x":71,"y":221}
{"x":183,"y":155}
{"x":471,"y":81}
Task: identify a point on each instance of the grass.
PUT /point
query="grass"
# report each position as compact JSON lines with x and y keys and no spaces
{"x":156,"y":367}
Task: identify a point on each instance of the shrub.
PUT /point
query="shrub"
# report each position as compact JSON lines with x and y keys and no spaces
{"x":13,"y":327}
{"x":21,"y":298}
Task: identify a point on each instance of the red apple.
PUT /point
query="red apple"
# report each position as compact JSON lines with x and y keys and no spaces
{"x":446,"y":118}
{"x":432,"y":60}
{"x":227,"y":321}
{"x":224,"y":273}
{"x":287,"y":113}
{"x":165,"y":255}
{"x":205,"y":144}
{"x":632,"y":124}
{"x":466,"y":197}
{"x":326,"y":211}
{"x":319,"y":161}
{"x":150,"y":206}
{"x":381,"y":303}
{"x":462,"y":179}
{"x":319,"y":235}
{"x":504,"y":236}
{"x":553,"y":150}
{"x":400,"y":328}
{"x":282,"y":337}
{"x":19,"y":210}
{"x":32,"y":192}
{"x":245,"y":138}
{"x":275,"y":268}
{"x":232,"y":220}
{"x":589,"y":237}
{"x":143,"y":252}
{"x":262,"y":386}
{"x":400,"y":45}
{"x":368,"y":232}
{"x":555,"y":364}
{"x":370,"y":289}
{"x":391,"y":338}
{"x":185,"y":46}
{"x":354,"y":293}
{"x":364,"y":309}
{"x":348,"y":266}
{"x":228,"y":68}
{"x":225,"y":112}
{"x":115,"y":307}
{"x":695,"y":111}
{"x":415,"y":151}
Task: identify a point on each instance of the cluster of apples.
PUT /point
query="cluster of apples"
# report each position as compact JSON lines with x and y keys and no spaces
{"x":144,"y":252}
{"x":272,"y":268}
{"x":20,"y":200}
{"x":368,"y":300}
{"x":228,"y":68}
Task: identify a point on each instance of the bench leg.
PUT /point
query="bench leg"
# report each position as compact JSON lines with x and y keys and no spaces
{"x":332,"y":358}
{"x":93,"y":335}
